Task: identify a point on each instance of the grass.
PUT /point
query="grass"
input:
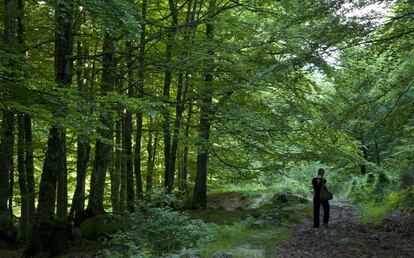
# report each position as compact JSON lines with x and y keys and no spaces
{"x":241,"y":240}
{"x":373,"y":214}
{"x":238,"y":233}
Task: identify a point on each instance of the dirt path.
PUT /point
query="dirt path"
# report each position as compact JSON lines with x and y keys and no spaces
{"x":346,"y":237}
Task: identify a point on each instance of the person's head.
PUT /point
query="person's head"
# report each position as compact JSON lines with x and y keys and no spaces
{"x":321,"y":172}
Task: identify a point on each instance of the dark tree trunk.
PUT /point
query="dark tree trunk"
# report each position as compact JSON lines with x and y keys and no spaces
{"x":103,"y":149}
{"x":29,"y":165}
{"x":55,"y":158}
{"x":6,"y":131}
{"x":116,"y":171}
{"x":127,"y":158}
{"x":127,"y":134}
{"x":62,"y":186}
{"x":181,"y":94}
{"x":151,"y":149}
{"x":83,"y":144}
{"x":141,"y":81}
{"x":21,"y":167}
{"x":25,"y":153}
{"x":11,"y":186}
{"x":200,"y":188}
{"x":184,"y":171}
{"x":168,"y":173}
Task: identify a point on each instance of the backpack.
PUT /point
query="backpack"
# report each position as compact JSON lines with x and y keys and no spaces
{"x":325,"y":195}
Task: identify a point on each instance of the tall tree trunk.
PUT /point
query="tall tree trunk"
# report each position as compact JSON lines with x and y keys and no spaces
{"x":123,"y":187}
{"x":25,"y":152}
{"x":141,"y":82}
{"x":24,"y":193}
{"x":200,"y":189}
{"x":62,"y":186}
{"x":168,"y":174}
{"x":11,"y":186}
{"x":151,"y":150}
{"x":6,"y":131}
{"x":127,"y":134}
{"x":83,"y":144}
{"x":181,"y":94}
{"x":184,"y":171}
{"x":29,"y":165}
{"x":55,"y":157}
{"x":116,"y":171}
{"x":103,"y":149}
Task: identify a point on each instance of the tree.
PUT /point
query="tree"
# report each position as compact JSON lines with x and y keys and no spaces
{"x":103,"y":146}
{"x":200,"y":189}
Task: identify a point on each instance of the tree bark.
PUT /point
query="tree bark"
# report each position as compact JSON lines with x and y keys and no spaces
{"x":141,"y":82}
{"x":24,"y":193}
{"x":127,"y":134}
{"x":54,"y":167}
{"x":168,"y":173}
{"x":151,"y":150}
{"x":118,"y":203}
{"x":184,"y":171}
{"x":103,"y":149}
{"x":181,"y":93}
{"x":83,"y":144}
{"x":29,"y":165}
{"x":6,"y":132}
{"x":200,"y":189}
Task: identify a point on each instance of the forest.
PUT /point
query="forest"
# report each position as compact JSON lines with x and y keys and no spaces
{"x":193,"y":128}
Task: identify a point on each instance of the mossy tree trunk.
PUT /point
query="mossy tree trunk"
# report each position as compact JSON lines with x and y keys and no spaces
{"x":168,"y":173}
{"x":83,"y":144}
{"x":103,"y":147}
{"x":6,"y":130}
{"x":200,"y":188}
{"x":140,"y":94}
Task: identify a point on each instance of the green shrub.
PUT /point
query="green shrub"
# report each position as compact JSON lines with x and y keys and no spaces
{"x":374,"y":213}
{"x":158,"y":231}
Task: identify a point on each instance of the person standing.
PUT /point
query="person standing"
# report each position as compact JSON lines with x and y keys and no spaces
{"x":317,"y":184}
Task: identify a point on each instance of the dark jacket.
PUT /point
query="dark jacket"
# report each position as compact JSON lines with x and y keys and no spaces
{"x":317,"y":186}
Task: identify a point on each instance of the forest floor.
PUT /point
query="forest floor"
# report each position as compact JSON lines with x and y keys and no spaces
{"x":346,"y":236}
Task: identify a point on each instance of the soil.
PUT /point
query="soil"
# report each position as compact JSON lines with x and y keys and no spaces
{"x":347,"y":237}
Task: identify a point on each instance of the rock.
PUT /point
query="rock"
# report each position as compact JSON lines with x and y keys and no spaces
{"x":258,"y":224}
{"x":346,"y":241}
{"x":232,"y":201}
{"x":190,"y":255}
{"x":281,"y":199}
{"x":222,"y":255}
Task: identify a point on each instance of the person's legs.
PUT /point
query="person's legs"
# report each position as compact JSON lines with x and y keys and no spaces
{"x":326,"y":208}
{"x":316,"y":208}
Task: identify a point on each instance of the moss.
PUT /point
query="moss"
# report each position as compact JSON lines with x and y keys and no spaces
{"x":103,"y":226}
{"x":220,"y":217}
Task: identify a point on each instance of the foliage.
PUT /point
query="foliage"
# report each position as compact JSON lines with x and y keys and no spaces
{"x":159,"y":231}
{"x":374,"y":213}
